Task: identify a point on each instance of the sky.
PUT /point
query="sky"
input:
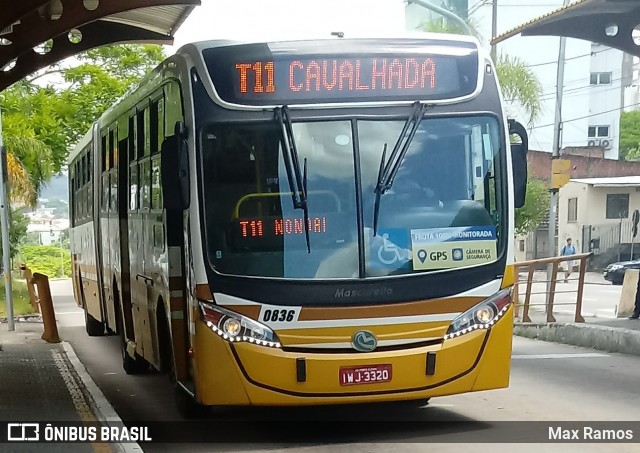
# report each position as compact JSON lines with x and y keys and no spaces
{"x":263,"y":20}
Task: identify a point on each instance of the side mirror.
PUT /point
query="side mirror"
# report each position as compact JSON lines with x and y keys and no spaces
{"x":175,"y":171}
{"x":519,"y":162}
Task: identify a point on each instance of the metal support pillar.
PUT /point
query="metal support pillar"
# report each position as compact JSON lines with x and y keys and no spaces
{"x":494,"y":29}
{"x":4,"y":226}
{"x":557,"y":131}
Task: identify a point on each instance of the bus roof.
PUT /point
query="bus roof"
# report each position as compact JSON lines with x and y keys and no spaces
{"x":406,"y":35}
{"x":82,"y":143}
{"x":196,"y":48}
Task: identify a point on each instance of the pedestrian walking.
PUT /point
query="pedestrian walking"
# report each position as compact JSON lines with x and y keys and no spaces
{"x":567,"y":250}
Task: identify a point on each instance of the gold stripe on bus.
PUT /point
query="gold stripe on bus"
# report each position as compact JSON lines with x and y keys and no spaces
{"x":176,"y":303}
{"x":203,"y":292}
{"x":422,"y":307}
{"x":250,"y":311}
{"x":176,"y":283}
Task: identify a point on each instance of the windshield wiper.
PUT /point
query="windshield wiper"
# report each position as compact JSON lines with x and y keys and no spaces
{"x":389,"y":170}
{"x":297,"y":182}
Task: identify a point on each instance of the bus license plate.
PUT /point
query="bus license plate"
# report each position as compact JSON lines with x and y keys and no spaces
{"x":370,"y":374}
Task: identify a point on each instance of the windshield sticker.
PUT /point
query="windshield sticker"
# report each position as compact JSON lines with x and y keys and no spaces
{"x":390,"y":249}
{"x":443,"y":248}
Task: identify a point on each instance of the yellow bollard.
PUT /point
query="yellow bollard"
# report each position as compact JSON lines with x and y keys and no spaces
{"x":28,"y":276}
{"x":46,"y":308}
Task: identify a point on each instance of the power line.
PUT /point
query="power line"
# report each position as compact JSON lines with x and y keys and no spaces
{"x":589,"y":116}
{"x":578,"y":91}
{"x":590,"y":54}
{"x":584,"y":80}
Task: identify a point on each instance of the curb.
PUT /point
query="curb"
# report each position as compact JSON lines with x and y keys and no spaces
{"x":604,"y":338}
{"x":104,"y":411}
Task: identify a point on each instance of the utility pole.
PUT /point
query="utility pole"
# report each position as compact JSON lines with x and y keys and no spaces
{"x":557,"y":133}
{"x":443,"y":12}
{"x":4,"y":228}
{"x":494,"y":28}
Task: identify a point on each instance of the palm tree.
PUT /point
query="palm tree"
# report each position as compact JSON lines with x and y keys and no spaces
{"x":519,"y":84}
{"x":25,"y":185}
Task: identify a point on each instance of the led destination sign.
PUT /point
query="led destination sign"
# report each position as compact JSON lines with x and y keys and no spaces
{"x":255,"y":75}
{"x":268,"y":233}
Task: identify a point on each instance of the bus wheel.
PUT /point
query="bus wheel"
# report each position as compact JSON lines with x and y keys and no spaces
{"x":165,"y":354}
{"x":94,"y":327}
{"x":133,"y":365}
{"x":411,"y":404}
{"x":187,"y":405}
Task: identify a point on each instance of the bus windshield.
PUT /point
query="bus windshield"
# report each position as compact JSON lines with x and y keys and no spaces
{"x":443,"y":210}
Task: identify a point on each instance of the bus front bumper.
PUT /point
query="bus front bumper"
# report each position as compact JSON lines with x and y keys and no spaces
{"x":247,"y":374}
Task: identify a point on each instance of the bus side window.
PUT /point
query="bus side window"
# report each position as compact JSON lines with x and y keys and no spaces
{"x":133,"y":166}
{"x":133,"y":187}
{"x":89,"y":183}
{"x":145,"y":179}
{"x":156,"y":190}
{"x":113,"y":165}
{"x":139,"y":134}
{"x":157,"y":136}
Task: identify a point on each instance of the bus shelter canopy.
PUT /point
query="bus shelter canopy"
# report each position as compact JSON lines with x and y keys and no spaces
{"x":608,"y":22}
{"x":37,"y":33}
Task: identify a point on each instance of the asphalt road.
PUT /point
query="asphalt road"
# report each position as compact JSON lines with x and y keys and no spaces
{"x":551,"y":385}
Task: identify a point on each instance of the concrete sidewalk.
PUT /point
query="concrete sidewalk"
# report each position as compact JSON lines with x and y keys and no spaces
{"x":614,"y":335}
{"x":44,"y":382}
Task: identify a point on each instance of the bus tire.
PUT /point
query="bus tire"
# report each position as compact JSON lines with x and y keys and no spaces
{"x":165,"y":354}
{"x":415,"y":403}
{"x":187,"y":405}
{"x":94,"y":327}
{"x":133,"y":365}
{"x":410,"y":404}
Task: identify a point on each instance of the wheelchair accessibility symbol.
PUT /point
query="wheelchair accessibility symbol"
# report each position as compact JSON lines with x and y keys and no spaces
{"x":388,"y":253}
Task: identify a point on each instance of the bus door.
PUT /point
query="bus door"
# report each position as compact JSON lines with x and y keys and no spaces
{"x":126,"y":148}
{"x":156,"y":263}
{"x":140,"y":175}
{"x":113,"y":231}
{"x":172,"y":147}
{"x":107,"y":236}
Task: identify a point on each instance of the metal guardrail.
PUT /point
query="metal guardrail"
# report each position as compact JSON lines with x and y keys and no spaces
{"x":554,"y":262}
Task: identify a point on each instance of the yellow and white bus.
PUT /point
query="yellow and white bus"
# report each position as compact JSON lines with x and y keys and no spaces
{"x":305,"y":222}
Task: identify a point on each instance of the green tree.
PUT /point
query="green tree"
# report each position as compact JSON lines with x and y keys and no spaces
{"x":535,"y":209}
{"x":46,"y":121}
{"x":47,"y":259}
{"x":519,"y":84}
{"x":17,"y":231}
{"x":630,"y":135}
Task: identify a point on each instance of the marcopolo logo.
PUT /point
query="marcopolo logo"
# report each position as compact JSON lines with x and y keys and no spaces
{"x":23,"y":432}
{"x":364,"y":341}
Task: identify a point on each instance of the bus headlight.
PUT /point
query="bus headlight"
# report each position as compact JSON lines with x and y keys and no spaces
{"x":482,"y":316}
{"x":234,"y":327}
